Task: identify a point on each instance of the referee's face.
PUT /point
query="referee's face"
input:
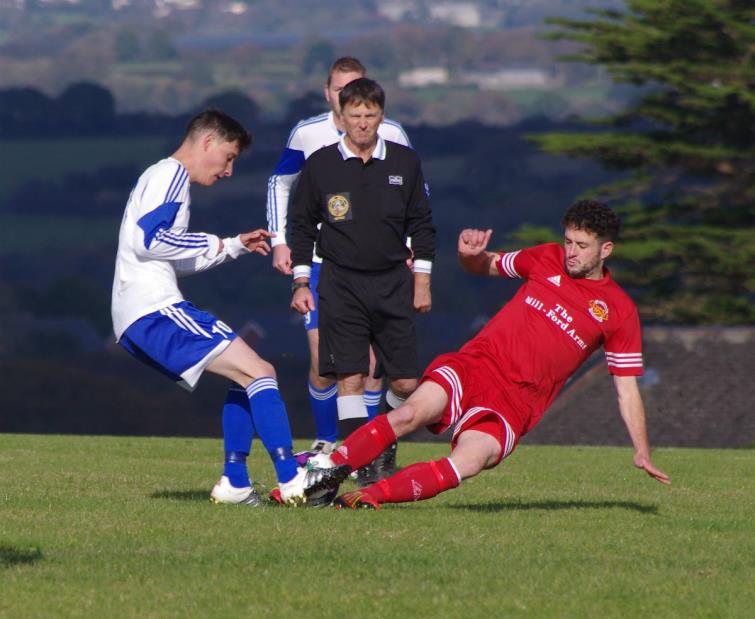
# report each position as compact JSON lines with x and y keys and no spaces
{"x":361,"y":122}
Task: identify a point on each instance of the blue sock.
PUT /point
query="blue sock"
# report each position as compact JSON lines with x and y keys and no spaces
{"x":238,"y":432}
{"x":271,"y":424}
{"x":372,"y":402}
{"x":325,"y":411}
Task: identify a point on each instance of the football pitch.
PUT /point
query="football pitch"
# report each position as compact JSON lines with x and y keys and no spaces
{"x":121,"y":527}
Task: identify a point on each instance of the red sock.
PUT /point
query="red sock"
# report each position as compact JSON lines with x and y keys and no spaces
{"x":416,"y":482}
{"x":365,"y":444}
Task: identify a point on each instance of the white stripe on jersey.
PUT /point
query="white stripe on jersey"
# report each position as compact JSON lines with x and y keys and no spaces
{"x":507,"y":264}
{"x":624,"y":360}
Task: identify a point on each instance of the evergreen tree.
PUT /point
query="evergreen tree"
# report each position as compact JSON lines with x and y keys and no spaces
{"x":687,"y":147}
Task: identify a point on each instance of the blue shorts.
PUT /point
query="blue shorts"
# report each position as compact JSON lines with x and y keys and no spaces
{"x":310,"y":318}
{"x":179,"y":341}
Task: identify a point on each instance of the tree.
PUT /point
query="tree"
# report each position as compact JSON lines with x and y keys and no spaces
{"x":317,"y":57}
{"x":128,"y":47}
{"x":235,"y":103}
{"x":87,"y":108}
{"x":687,"y":147}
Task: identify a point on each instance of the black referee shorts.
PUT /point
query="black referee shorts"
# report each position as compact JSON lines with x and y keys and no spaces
{"x":360,"y":308}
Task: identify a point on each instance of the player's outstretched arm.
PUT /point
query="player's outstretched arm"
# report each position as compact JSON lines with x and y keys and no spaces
{"x":633,"y":413}
{"x":472,"y":255}
{"x":255,"y":241}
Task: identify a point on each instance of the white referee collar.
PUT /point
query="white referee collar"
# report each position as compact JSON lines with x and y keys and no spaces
{"x":378,"y":153}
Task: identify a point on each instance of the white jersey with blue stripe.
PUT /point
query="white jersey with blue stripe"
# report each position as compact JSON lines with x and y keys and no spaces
{"x":154,"y":246}
{"x":308,"y":136}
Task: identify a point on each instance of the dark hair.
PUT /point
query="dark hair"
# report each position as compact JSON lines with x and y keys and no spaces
{"x":217,"y":121}
{"x":347,"y":64}
{"x":594,"y":217}
{"x":362,"y":90}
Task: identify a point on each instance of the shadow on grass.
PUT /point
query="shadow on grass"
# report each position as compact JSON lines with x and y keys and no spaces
{"x":181,"y":495}
{"x":500,"y":506}
{"x":10,"y":556}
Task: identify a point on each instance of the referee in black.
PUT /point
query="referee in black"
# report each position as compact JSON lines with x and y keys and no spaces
{"x":367,"y":196}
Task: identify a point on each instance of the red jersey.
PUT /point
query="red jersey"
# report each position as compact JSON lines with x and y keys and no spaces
{"x":550,"y":327}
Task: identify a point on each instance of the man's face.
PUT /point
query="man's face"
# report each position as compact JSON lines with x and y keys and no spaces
{"x":585,"y":253}
{"x":217,"y":157}
{"x":338,"y":80}
{"x":361,"y":124}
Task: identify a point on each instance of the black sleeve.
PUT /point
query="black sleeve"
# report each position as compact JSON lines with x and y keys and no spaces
{"x":419,"y":218}
{"x":305,"y":217}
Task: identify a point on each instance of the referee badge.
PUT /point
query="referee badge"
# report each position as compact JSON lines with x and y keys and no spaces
{"x":339,"y":207}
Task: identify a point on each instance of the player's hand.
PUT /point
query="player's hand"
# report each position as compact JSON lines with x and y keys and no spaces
{"x":423,"y":299}
{"x":303,"y":301}
{"x":282,"y":259}
{"x":644,"y":463}
{"x":255,"y":241}
{"x":473,"y":242}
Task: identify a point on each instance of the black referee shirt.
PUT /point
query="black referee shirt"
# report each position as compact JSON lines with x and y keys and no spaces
{"x":366,"y":209}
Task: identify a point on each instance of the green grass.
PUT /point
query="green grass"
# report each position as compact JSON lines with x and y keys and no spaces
{"x":121,"y":527}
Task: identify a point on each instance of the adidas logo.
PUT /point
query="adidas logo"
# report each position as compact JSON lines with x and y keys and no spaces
{"x":555,"y":280}
{"x":416,"y":490}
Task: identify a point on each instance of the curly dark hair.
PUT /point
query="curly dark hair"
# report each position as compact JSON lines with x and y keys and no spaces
{"x":594,"y":217}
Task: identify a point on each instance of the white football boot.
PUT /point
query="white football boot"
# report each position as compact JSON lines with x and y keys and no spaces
{"x":225,"y":493}
{"x":292,"y":491}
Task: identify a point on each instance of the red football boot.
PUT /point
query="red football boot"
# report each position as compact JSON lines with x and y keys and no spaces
{"x":356,"y":500}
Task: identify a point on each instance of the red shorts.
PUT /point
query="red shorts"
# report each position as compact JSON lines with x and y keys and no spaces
{"x":472,"y":401}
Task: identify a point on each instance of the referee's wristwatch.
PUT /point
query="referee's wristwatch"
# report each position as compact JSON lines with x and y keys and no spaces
{"x":296,"y":285}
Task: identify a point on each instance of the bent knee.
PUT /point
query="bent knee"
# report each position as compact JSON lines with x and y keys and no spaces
{"x":263,"y":368}
{"x":403,"y":387}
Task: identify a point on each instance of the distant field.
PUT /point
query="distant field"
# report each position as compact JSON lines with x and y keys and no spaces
{"x":121,"y":527}
{"x":52,"y":159}
{"x":28,"y":234}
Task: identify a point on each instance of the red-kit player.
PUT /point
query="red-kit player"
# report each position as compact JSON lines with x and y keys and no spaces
{"x":497,"y":387}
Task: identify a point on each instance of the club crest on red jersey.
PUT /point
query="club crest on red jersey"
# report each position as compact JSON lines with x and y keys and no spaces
{"x":598,"y":310}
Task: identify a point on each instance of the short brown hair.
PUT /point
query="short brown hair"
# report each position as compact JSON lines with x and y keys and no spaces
{"x":225,"y":126}
{"x":347,"y":64}
{"x":362,"y":90}
{"x":594,"y":217}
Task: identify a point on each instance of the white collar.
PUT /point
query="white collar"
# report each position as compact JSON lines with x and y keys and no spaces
{"x":378,"y":153}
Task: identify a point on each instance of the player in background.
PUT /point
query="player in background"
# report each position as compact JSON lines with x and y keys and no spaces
{"x":497,"y":386}
{"x":155,"y":324}
{"x":307,"y":137}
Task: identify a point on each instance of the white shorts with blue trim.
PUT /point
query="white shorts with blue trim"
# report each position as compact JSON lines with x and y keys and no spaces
{"x":179,"y":341}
